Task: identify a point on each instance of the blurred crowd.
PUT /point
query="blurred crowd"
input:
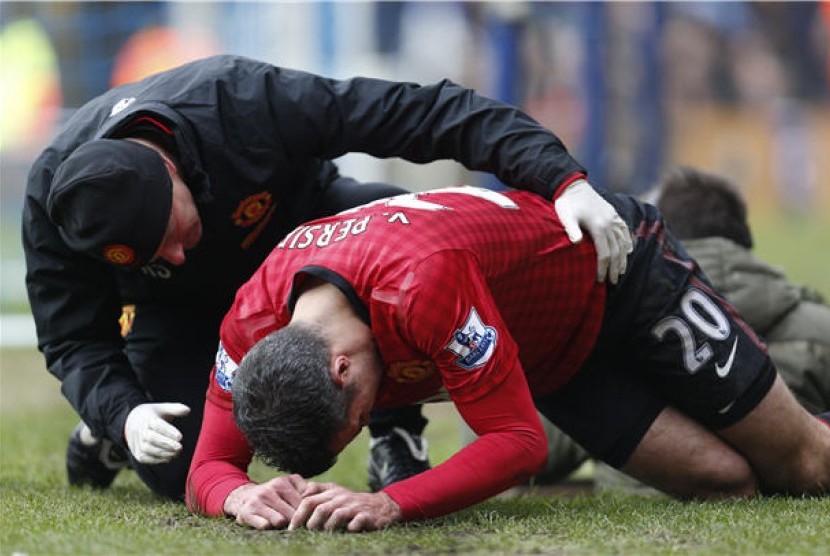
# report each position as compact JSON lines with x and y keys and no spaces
{"x":740,"y":88}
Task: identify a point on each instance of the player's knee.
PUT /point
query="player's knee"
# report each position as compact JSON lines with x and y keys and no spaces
{"x":735,"y":480}
{"x":807,"y":472}
{"x":730,"y":477}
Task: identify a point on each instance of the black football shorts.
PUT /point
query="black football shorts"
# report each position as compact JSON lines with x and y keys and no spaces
{"x":668,"y":339}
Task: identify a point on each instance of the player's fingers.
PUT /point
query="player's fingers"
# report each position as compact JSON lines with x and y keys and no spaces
{"x":276,"y":519}
{"x":314,"y":509}
{"x":297,"y":482}
{"x":313,"y":488}
{"x":301,"y":516}
{"x":319,"y":517}
{"x":290,"y":498}
{"x":358,"y":523}
{"x":277,"y":502}
{"x":284,"y":499}
{"x":339,"y":519}
{"x":253,"y":520}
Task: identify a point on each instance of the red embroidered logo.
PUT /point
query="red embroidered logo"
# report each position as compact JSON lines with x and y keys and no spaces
{"x":119,"y":254}
{"x":252,"y":209}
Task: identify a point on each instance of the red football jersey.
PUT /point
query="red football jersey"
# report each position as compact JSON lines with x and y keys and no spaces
{"x":454,"y":282}
{"x":466,"y":290}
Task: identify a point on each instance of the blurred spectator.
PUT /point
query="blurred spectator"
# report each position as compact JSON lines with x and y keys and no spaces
{"x":30,"y":83}
{"x":707,"y":213}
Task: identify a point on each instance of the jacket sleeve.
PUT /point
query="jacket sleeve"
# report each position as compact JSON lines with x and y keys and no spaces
{"x":799,"y":345}
{"x":76,"y":307}
{"x":511,"y":448}
{"x":329,"y":118}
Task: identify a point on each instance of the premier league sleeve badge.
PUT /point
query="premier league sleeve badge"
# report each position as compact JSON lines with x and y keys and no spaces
{"x":473,"y":343}
{"x":225,"y":369}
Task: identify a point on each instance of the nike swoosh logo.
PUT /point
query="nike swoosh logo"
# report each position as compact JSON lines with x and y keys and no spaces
{"x":722,"y":371}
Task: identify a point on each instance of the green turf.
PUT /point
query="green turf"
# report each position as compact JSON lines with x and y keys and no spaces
{"x":39,"y":514}
{"x":798,"y":245}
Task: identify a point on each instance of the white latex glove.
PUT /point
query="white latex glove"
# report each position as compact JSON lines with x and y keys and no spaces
{"x":149,"y":436}
{"x":579,"y":206}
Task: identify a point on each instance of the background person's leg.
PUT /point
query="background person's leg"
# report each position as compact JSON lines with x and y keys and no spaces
{"x":397,"y":449}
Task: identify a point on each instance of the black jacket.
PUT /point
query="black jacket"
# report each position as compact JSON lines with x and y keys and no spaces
{"x":254,"y":144}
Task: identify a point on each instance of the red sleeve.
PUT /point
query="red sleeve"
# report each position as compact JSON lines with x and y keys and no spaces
{"x":457,"y":323}
{"x":511,"y":448}
{"x":222,"y":455}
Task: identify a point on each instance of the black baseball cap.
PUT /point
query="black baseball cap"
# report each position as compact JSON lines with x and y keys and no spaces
{"x":111,"y":198}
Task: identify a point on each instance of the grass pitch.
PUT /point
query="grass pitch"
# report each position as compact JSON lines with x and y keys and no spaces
{"x":40,"y":514}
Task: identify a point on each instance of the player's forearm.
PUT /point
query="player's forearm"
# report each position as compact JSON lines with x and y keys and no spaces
{"x":220,"y":460}
{"x":210,"y":487}
{"x":511,"y":448}
{"x":488,"y":466}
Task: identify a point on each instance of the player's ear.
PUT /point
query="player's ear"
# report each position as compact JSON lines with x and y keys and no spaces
{"x":339,"y":369}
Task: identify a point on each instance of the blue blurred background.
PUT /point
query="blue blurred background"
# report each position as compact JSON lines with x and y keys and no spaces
{"x":633,"y":88}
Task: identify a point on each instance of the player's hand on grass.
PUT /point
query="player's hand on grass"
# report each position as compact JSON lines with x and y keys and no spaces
{"x":580,"y":206}
{"x":328,"y":507}
{"x":268,"y":505}
{"x":149,"y":436}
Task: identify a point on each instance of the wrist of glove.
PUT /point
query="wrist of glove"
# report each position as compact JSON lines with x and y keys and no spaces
{"x":581,"y":207}
{"x":149,"y":435}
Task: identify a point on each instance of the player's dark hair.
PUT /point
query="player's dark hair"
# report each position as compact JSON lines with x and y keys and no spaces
{"x":698,"y":204}
{"x":285,"y":402}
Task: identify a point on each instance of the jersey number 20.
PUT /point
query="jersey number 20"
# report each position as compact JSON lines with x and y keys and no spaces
{"x":700,"y":312}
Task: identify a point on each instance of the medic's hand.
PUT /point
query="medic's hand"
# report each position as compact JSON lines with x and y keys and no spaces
{"x":268,"y":505}
{"x":580,"y":206}
{"x":327,"y":506}
{"x":149,"y":436}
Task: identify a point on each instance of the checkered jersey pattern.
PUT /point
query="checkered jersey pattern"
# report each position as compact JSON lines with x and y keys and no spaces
{"x":457,"y":283}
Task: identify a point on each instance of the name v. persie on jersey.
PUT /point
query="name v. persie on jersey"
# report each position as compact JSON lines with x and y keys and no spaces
{"x":321,"y":235}
{"x":324,"y":234}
